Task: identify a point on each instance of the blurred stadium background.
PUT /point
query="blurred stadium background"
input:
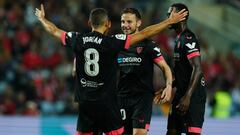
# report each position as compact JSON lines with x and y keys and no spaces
{"x":36,"y":86}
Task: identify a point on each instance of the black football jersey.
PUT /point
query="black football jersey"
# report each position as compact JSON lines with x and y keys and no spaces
{"x":96,"y":64}
{"x":186,"y":47}
{"x":136,"y":68}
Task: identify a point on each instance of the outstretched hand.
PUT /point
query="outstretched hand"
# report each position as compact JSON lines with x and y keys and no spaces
{"x":40,"y":13}
{"x":176,"y":17}
{"x":48,"y":26}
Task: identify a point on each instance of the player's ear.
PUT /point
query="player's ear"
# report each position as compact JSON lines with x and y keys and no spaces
{"x":109,"y":24}
{"x":89,"y":23}
{"x":139,"y":22}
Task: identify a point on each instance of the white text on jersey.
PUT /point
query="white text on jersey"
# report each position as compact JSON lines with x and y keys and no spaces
{"x":92,"y":39}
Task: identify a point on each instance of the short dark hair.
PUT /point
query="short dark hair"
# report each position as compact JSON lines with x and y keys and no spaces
{"x":132,"y":11}
{"x":98,"y":16}
{"x":179,"y":7}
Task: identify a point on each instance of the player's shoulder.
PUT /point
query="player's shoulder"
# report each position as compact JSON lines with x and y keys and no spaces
{"x":188,"y":34}
{"x":149,"y":42}
{"x":71,"y":34}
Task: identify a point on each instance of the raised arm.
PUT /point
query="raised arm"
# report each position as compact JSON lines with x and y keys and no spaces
{"x":157,"y":28}
{"x":49,"y":26}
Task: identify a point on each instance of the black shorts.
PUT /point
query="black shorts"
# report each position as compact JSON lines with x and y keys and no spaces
{"x":192,"y":121}
{"x":104,"y":117}
{"x":136,"y":111}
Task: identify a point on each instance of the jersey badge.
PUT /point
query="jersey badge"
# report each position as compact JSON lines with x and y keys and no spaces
{"x":121,"y":36}
{"x":139,"y":49}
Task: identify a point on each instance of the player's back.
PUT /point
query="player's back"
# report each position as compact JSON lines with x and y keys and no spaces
{"x":96,"y":65}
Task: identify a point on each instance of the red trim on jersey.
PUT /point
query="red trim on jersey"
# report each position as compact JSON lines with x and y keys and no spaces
{"x":147,"y":126}
{"x":127,"y":44}
{"x":63,"y":38}
{"x":81,"y":133}
{"x":194,"y":130}
{"x":193,"y":54}
{"x":179,"y":35}
{"x":115,"y":132}
{"x":158,"y":59}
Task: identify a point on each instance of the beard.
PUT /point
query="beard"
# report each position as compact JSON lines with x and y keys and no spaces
{"x":129,"y":31}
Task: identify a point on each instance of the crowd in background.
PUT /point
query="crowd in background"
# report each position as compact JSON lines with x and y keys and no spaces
{"x":35,"y":70}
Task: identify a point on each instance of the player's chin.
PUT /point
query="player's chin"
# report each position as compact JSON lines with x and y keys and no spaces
{"x":127,"y":32}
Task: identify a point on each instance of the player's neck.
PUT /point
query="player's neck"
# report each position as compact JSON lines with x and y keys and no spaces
{"x":100,"y":30}
{"x":181,"y":28}
{"x":136,"y":31}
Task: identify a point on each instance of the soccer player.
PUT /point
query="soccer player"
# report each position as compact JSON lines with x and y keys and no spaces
{"x":96,"y":68}
{"x":135,"y":88}
{"x":188,"y":106}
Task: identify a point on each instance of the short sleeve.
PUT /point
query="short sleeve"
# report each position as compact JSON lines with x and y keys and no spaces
{"x":69,"y":38}
{"x":155,"y":52}
{"x":191,"y":46}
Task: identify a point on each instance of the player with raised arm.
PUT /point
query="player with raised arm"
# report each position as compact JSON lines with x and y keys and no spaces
{"x":135,"y":88}
{"x":188,"y":106}
{"x":96,"y":68}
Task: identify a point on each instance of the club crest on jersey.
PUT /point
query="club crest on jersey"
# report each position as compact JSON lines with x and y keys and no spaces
{"x":139,"y":49}
{"x":121,"y":36}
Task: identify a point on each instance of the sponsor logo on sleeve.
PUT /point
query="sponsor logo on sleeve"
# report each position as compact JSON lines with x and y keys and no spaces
{"x":157,"y":49}
{"x":192,"y":45}
{"x":139,"y":49}
{"x":202,"y":81}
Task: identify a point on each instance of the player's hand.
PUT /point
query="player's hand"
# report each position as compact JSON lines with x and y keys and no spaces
{"x":157,"y":98}
{"x":183,"y":105}
{"x":176,"y":17}
{"x":40,"y":13}
{"x":166,"y":94}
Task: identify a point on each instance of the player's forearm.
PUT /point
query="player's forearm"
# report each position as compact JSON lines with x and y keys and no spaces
{"x":149,"y":31}
{"x":196,"y":73}
{"x":168,"y":75}
{"x":51,"y":28}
